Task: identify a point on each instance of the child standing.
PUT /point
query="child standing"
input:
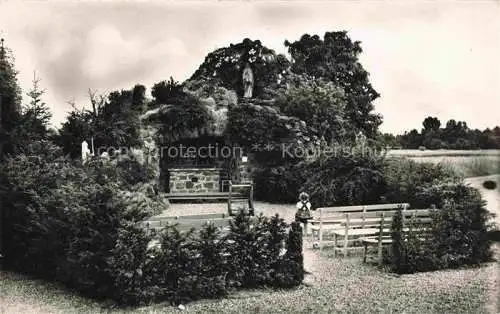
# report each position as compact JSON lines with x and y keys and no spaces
{"x":303,"y":213}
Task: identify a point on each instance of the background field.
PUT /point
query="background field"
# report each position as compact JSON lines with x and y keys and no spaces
{"x":470,"y":163}
{"x":443,"y":152}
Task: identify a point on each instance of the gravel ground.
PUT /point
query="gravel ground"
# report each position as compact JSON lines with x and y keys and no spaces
{"x":336,"y":285}
{"x":492,"y":197}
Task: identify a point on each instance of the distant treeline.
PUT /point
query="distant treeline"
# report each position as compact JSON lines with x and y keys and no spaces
{"x":455,"y":135}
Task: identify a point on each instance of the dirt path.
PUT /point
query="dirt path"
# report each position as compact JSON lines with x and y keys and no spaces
{"x":492,"y":197}
{"x":315,"y":265}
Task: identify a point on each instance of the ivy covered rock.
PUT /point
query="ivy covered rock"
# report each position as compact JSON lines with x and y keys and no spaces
{"x":216,"y":99}
{"x":261,"y":128}
{"x":321,"y":104}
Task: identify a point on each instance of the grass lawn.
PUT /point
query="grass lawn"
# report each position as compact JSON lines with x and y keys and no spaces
{"x":335,"y":285}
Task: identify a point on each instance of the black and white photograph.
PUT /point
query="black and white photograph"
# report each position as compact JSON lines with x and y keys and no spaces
{"x":250,"y":156}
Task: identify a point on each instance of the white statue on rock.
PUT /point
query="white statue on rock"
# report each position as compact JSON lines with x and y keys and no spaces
{"x":86,"y":154}
{"x":248,"y":81}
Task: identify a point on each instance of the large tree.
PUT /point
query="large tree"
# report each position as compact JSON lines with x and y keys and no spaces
{"x":335,"y":58}
{"x":74,"y":130}
{"x":431,"y":124}
{"x":113,"y":122}
{"x":10,"y":99}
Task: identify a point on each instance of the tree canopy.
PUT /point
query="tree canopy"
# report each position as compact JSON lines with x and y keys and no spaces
{"x":322,"y":93}
{"x":336,"y":59}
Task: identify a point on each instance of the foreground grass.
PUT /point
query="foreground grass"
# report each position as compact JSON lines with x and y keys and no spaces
{"x":335,"y":285}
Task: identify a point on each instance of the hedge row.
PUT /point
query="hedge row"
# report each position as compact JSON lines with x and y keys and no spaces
{"x":460,"y":226}
{"x":182,"y":267}
{"x":351,"y":179}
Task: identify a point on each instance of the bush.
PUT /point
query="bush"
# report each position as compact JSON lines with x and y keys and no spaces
{"x":63,"y":220}
{"x":345,"y":179}
{"x":190,"y":266}
{"x":404,"y":178}
{"x":258,"y":248}
{"x":280,"y":184}
{"x":410,"y":252}
{"x":489,"y":184}
{"x":131,"y":172}
{"x":254,"y":249}
{"x":131,"y":266}
{"x":290,"y":271}
{"x":31,"y":212}
{"x":457,"y":236}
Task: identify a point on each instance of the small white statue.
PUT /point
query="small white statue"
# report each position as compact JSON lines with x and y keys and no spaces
{"x":105,"y":156}
{"x":86,"y":154}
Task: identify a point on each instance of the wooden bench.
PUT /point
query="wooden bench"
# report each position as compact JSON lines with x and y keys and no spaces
{"x":185,"y":223}
{"x":332,"y":219}
{"x":203,"y":196}
{"x":415,"y":221}
{"x":238,"y":196}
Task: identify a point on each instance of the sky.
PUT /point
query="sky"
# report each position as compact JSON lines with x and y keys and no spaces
{"x":425,"y":58}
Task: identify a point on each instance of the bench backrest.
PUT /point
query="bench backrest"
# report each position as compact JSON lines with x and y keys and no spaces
{"x":383,"y":219}
{"x":324,"y":213}
{"x":185,"y":225}
{"x":198,"y":216}
{"x":187,"y":222}
{"x":415,"y":221}
{"x":411,"y":216}
{"x":160,"y":221}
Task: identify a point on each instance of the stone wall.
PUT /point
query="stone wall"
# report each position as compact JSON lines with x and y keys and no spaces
{"x":194,"y":180}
